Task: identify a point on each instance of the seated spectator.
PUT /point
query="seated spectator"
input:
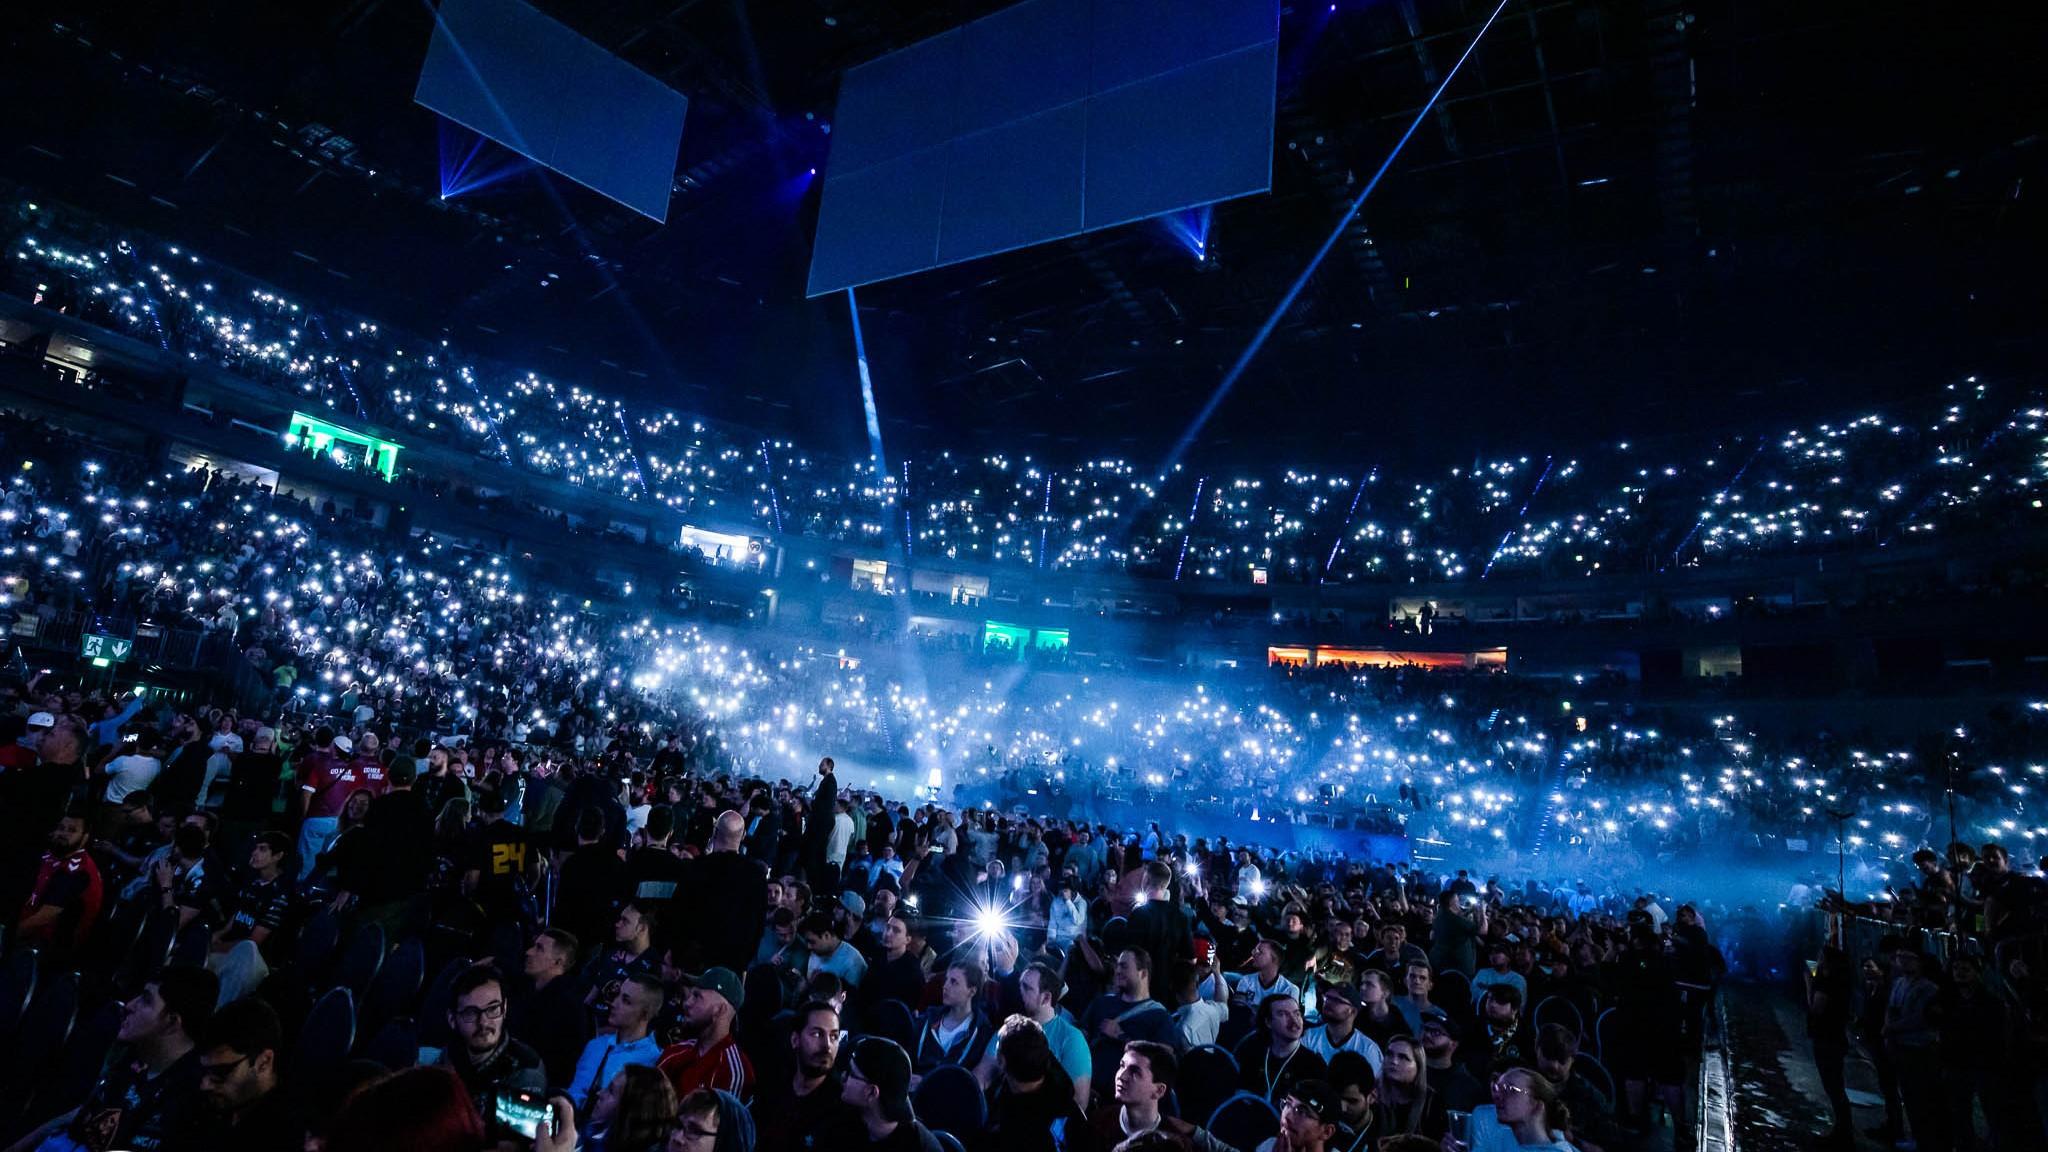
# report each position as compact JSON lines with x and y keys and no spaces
{"x":1395,"y":953}
{"x":709,"y":1056}
{"x":1272,"y":1060}
{"x":1592,"y":1113}
{"x":1499,"y":1037}
{"x":1498,"y":971}
{"x":1145,"y":1076}
{"x":418,"y":1110}
{"x":1308,"y":1119}
{"x":634,"y":1113}
{"x":1041,"y":989}
{"x":1378,"y":1017}
{"x":64,"y":904}
{"x":1339,"y":1030}
{"x":549,"y":1014}
{"x":1419,"y":982}
{"x":485,"y":1055}
{"x":632,"y":954}
{"x":628,"y":1038}
{"x":1032,"y":1108}
{"x":900,"y":974}
{"x":1448,"y":1075}
{"x":1355,"y":1089}
{"x":954,"y":1031}
{"x":1525,"y":1113}
{"x":1264,"y":979}
{"x":878,"y":1075}
{"x":1197,"y":1018}
{"x":247,"y":1108}
{"x":258,"y":907}
{"x":1405,"y":1101}
{"x":1128,"y":1011}
{"x":829,"y":952}
{"x":150,"y":1098}
{"x":805,"y":1110}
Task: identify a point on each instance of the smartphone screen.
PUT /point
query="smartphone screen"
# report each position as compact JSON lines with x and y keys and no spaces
{"x":521,"y":1112}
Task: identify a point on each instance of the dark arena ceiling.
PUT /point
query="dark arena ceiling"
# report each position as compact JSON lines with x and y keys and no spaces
{"x":1623,"y":219}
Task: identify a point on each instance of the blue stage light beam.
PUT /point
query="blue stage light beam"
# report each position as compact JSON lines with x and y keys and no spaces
{"x":867,"y":389}
{"x":1265,"y":331}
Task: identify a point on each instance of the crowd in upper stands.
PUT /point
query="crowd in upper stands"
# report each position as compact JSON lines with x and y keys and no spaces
{"x":1967,"y":459}
{"x":473,"y":863}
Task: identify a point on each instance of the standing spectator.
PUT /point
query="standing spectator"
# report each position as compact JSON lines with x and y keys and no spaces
{"x":136,"y":768}
{"x":1911,"y":1042}
{"x":727,"y":893}
{"x":1827,"y":1028}
{"x":325,"y":782}
{"x":1454,"y":936}
{"x":1159,"y":924}
{"x":389,"y":877}
{"x":1199,"y":1019}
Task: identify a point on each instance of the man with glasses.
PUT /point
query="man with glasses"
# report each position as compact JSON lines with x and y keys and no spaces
{"x":1308,"y":1119}
{"x":698,"y":1121}
{"x":238,"y":1080}
{"x":483,"y":1055}
{"x":878,"y":1089}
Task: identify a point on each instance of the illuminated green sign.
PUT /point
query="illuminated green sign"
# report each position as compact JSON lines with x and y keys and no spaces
{"x":344,"y":446}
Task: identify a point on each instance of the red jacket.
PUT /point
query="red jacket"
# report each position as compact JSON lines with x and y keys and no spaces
{"x":72,"y":883}
{"x":722,"y":1066}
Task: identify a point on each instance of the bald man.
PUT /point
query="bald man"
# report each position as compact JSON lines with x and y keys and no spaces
{"x":728,"y":898}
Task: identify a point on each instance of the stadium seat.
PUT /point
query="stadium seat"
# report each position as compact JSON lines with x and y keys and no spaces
{"x":17,"y":987}
{"x":1595,"y":1073}
{"x":1453,"y":992}
{"x":191,"y":943}
{"x":325,"y":1040}
{"x":359,"y":964}
{"x":1240,"y":1024}
{"x":1605,"y":1031}
{"x":1208,"y":1077}
{"x":949,"y":1099}
{"x":319,"y":936}
{"x":396,"y":1045}
{"x":85,"y":1056}
{"x":893,"y":1019}
{"x":397,"y":982}
{"x":508,"y":947}
{"x":949,"y":1142}
{"x":1243,"y":1121}
{"x":439,"y":998}
{"x":1558,"y":1010}
{"x":152,"y":947}
{"x":39,"y":1042}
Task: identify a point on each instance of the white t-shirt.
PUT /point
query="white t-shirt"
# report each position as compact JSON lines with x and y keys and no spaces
{"x":1250,"y":990}
{"x":1317,"y":1040}
{"x":1200,"y":1022}
{"x":130,"y":773}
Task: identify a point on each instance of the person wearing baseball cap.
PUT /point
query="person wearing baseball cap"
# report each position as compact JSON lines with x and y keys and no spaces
{"x":709,"y":1055}
{"x":1339,"y":1030}
{"x":1308,"y":1119}
{"x":878,"y":1089}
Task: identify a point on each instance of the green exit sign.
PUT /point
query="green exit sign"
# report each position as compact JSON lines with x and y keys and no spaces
{"x":103,"y":649}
